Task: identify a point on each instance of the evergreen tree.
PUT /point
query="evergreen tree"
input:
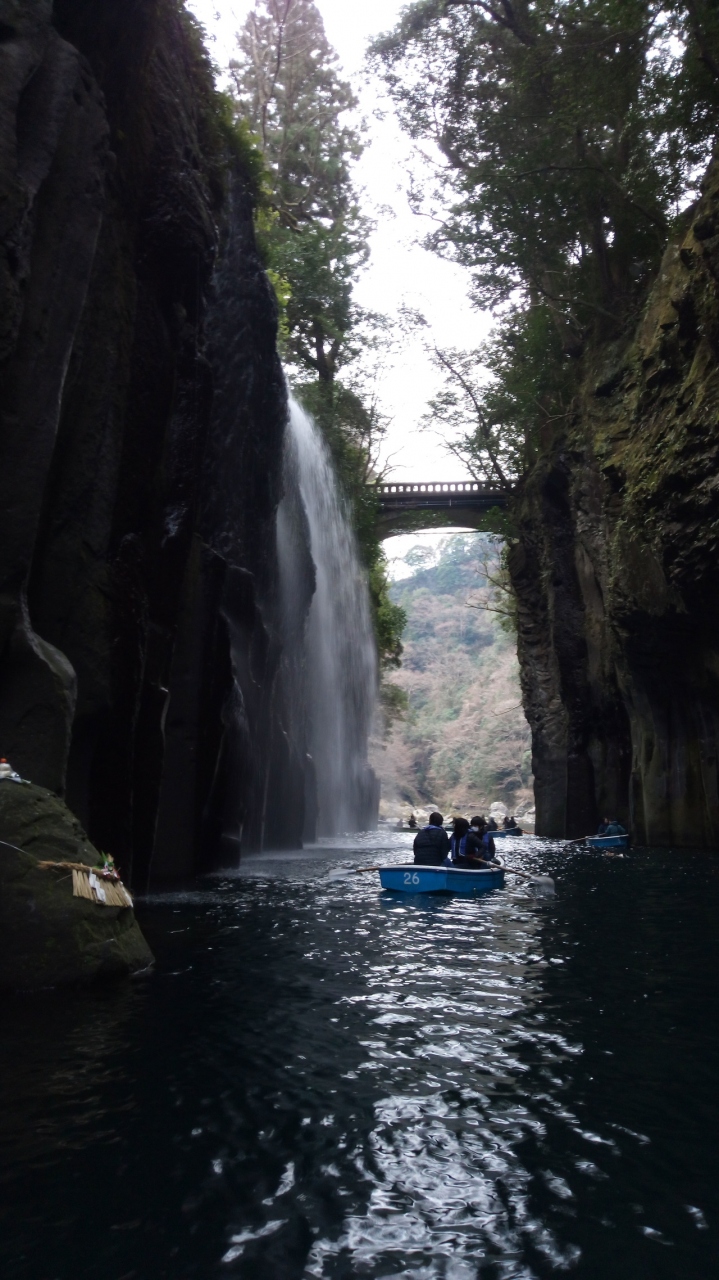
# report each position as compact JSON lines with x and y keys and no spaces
{"x":289,"y":89}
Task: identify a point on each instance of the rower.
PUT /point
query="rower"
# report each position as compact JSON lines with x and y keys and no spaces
{"x":431,"y":844}
{"x":614,"y":828}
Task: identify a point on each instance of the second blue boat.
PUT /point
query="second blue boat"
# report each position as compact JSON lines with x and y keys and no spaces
{"x":608,"y":842}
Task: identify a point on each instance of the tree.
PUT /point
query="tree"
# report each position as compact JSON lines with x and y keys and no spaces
{"x":496,"y":401}
{"x":288,"y":87}
{"x":571,"y":132}
{"x":559,"y":123}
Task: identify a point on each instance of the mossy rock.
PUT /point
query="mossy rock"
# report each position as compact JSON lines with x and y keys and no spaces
{"x":48,"y":937}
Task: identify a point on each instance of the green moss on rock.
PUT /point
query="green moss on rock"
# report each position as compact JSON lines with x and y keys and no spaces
{"x":48,"y":937}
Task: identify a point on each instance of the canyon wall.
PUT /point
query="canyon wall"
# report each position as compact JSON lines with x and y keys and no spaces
{"x":616,"y":572}
{"x":142,"y":412}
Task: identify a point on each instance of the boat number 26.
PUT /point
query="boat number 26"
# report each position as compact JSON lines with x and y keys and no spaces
{"x":411,"y":877}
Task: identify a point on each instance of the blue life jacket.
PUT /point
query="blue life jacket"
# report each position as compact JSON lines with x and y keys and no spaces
{"x":457,"y":852}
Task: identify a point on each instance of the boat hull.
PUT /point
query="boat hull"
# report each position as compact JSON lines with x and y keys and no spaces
{"x":513,"y":831}
{"x":411,"y":878}
{"x":608,"y":842}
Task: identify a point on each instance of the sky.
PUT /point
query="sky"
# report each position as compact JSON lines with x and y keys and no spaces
{"x":400,"y":273}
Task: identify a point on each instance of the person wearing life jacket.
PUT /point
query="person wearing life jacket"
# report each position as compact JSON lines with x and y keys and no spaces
{"x":460,"y":848}
{"x":487,"y":846}
{"x":468,"y":849}
{"x":431,"y":844}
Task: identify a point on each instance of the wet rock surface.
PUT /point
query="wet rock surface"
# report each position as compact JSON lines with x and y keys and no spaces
{"x":143,"y":411}
{"x":48,"y":937}
{"x":616,"y":571}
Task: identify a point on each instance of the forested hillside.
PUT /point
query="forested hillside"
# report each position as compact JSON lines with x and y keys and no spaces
{"x":463,"y":740}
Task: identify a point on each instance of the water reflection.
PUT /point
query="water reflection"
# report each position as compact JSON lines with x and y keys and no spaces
{"x":326,"y":1081}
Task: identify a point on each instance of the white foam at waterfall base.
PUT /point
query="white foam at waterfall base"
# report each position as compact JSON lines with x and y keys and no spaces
{"x":339,"y":661}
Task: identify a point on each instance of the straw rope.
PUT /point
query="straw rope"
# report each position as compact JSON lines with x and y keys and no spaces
{"x":105,"y":889}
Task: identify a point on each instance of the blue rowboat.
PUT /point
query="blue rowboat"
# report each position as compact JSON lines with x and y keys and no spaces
{"x":608,"y":842}
{"x":411,"y":878}
{"x":511,"y":831}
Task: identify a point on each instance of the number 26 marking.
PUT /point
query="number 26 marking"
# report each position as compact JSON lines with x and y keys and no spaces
{"x":411,"y":877}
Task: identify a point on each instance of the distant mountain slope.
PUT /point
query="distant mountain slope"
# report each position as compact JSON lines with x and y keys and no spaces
{"x":464,"y":741}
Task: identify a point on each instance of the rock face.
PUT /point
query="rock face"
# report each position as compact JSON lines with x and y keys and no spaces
{"x":617,"y":575}
{"x":143,"y":411}
{"x":48,"y":937}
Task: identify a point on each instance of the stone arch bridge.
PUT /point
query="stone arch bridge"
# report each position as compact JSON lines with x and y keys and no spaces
{"x":436,"y":504}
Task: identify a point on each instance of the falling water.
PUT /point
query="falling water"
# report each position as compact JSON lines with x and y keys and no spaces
{"x":333,"y":653}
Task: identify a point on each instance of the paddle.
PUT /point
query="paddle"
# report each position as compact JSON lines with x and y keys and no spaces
{"x":349,"y":871}
{"x":544,"y":882}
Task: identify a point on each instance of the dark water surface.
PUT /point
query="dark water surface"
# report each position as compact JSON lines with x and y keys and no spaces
{"x":322,"y":1080}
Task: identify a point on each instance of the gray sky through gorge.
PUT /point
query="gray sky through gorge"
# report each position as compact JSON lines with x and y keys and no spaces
{"x":400,"y":273}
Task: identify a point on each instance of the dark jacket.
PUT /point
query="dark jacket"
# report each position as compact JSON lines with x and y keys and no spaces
{"x":614,"y":829}
{"x":431,"y":846}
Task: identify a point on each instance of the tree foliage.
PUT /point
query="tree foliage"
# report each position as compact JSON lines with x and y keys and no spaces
{"x":572,"y":130}
{"x":496,"y":402}
{"x":571,"y":133}
{"x":287,"y":85}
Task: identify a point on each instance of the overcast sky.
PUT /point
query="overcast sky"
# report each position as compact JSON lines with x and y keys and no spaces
{"x":399,"y":273}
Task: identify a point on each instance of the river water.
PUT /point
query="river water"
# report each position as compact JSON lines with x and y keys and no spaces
{"x":323,"y":1080}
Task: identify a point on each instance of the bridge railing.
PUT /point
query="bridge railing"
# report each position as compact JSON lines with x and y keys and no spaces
{"x":448,"y":487}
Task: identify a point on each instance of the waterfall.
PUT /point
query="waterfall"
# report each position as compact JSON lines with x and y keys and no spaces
{"x":331,"y":654}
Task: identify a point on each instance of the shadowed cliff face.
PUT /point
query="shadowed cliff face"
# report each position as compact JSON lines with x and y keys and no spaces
{"x":616,"y":572}
{"x":143,"y":412}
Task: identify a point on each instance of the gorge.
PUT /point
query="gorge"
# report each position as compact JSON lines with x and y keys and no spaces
{"x":143,"y":672}
{"x":309,"y":1077}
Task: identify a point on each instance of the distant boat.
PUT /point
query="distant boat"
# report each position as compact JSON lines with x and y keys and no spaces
{"x":608,"y":842}
{"x":506,"y":831}
{"x":414,"y":878}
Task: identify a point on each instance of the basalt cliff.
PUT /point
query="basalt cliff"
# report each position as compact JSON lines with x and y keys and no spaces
{"x":616,"y":572}
{"x":142,"y":412}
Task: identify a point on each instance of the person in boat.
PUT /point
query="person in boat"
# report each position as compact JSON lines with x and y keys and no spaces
{"x":431,"y":843}
{"x":412,"y":824}
{"x":478,"y":828}
{"x":492,"y":824}
{"x":467,"y":849}
{"x":602,"y":828}
{"x":508,"y":823}
{"x":614,"y":828}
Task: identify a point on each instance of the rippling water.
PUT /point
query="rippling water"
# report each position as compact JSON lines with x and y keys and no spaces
{"x":322,"y":1080}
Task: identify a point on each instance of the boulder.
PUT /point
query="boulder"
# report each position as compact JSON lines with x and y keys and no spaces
{"x":47,"y":936}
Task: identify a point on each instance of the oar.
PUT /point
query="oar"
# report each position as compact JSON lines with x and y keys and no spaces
{"x":349,"y":871}
{"x":546,"y":881}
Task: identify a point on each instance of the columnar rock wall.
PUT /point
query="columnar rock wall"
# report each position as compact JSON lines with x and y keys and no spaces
{"x":616,"y":571}
{"x":142,"y":416}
